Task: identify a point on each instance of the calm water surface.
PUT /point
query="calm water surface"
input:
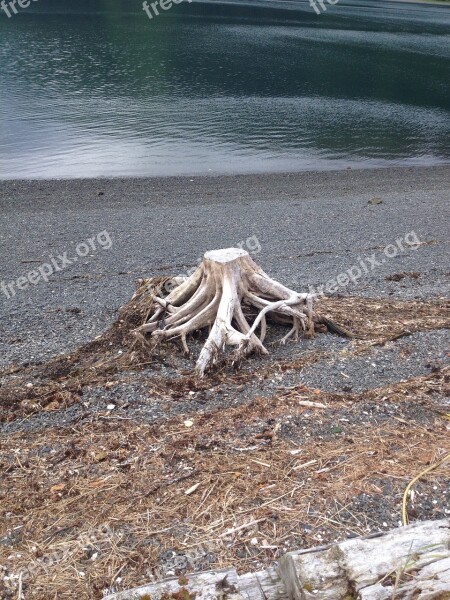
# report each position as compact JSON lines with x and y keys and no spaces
{"x":95,"y":88}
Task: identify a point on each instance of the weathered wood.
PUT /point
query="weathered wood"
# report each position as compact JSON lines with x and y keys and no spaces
{"x":431,"y":581}
{"x":263,"y":585}
{"x":408,"y":563}
{"x":210,"y":585}
{"x":213,"y":585}
{"x":405,"y":563}
{"x":213,"y":298}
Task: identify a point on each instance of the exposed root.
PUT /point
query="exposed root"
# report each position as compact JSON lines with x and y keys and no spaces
{"x":214,"y":296}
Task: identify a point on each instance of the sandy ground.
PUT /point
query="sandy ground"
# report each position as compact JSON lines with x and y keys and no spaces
{"x":70,"y":462}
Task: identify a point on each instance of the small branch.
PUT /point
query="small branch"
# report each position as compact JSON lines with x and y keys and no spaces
{"x":241,"y":527}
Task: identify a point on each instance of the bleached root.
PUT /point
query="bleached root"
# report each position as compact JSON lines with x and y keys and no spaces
{"x":214,"y":297}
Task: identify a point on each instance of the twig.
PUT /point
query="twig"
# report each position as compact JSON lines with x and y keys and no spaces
{"x":19,"y":592}
{"x":245,"y":526}
{"x":416,"y":478}
{"x":310,"y":404}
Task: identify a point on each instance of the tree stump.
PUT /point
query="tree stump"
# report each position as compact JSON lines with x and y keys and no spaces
{"x":214,"y":296}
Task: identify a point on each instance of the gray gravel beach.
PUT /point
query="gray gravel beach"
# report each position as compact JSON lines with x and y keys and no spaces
{"x":304,"y":229}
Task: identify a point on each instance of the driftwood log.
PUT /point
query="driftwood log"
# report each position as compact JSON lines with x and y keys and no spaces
{"x":408,"y":563}
{"x":215,"y":297}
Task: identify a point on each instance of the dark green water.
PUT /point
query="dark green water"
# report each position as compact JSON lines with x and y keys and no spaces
{"x":96,"y":88}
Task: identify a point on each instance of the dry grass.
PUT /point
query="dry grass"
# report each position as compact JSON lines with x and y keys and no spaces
{"x":249,"y":472}
{"x":263,"y":478}
{"x":381,"y":320}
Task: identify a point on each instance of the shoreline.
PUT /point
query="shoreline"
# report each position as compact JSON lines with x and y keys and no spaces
{"x":310,"y":175}
{"x":388,"y":166}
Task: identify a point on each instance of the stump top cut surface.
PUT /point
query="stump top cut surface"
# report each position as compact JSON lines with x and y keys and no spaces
{"x":225,"y":255}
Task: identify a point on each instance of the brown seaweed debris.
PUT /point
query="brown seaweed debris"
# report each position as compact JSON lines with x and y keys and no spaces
{"x":61,"y":380}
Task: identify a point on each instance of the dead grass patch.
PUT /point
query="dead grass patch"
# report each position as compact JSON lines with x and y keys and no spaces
{"x":238,"y":487}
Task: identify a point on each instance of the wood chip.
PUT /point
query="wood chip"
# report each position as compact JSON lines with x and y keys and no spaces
{"x":310,"y":404}
{"x":260,"y":462}
{"x":306,"y":464}
{"x":192,"y":489}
